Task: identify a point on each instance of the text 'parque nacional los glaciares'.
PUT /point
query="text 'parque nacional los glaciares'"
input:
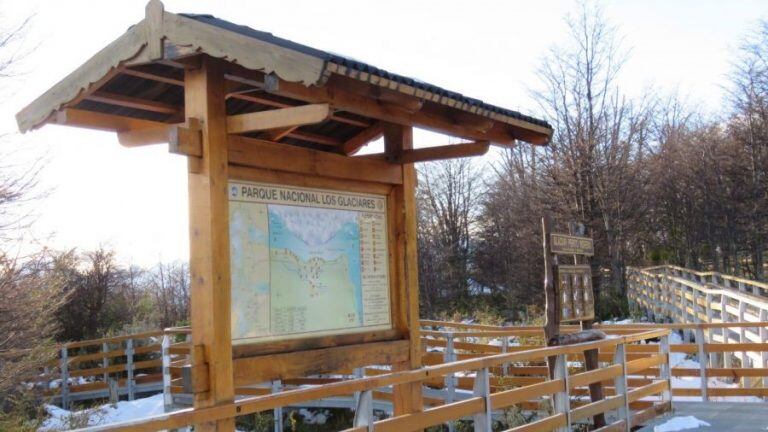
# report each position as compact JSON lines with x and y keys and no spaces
{"x":306,"y":262}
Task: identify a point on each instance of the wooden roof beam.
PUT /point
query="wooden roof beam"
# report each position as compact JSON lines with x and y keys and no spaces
{"x":260,"y":99}
{"x":100,"y":121}
{"x":340,"y":97}
{"x":314,"y":138}
{"x":278,"y":118}
{"x":354,"y":144}
{"x":428,"y":154}
{"x":152,"y":77}
{"x":132,"y":102}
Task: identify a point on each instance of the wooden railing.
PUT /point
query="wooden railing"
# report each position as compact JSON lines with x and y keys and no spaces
{"x":727,"y":317}
{"x":110,"y":367}
{"x":469,"y":340}
{"x":633,"y":401}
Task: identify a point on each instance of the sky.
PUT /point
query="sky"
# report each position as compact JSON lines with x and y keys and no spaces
{"x":93,"y":192}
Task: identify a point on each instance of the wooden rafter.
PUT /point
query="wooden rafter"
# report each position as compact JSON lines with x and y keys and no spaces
{"x":132,"y":102}
{"x":101,"y":121}
{"x":278,"y":134}
{"x":354,"y":144}
{"x":367,"y":105}
{"x":249,"y":95}
{"x":259,"y":98}
{"x":428,"y":154}
{"x":152,"y":77}
{"x":278,"y":118}
{"x":317,"y":139}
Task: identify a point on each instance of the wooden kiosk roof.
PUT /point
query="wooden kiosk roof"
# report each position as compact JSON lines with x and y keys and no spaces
{"x":135,"y":86}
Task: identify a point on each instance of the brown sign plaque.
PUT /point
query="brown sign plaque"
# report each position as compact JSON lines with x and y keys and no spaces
{"x":575,"y":288}
{"x":572,"y":245}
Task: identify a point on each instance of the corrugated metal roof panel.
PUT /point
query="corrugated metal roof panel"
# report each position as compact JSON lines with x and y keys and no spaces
{"x":361,"y":67}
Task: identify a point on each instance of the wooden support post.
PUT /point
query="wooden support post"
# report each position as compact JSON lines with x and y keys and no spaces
{"x":595,"y":389}
{"x":702,"y":363}
{"x":113,"y":390}
{"x":166,"y":354}
{"x":746,"y":362}
{"x":482,"y":388}
{"x":364,"y":411}
{"x":407,"y":398}
{"x":358,"y":373}
{"x":504,"y":350}
{"x":561,"y":402}
{"x":764,"y":339}
{"x":727,"y":356}
{"x":64,"y":368}
{"x":620,"y":384}
{"x":552,"y":324}
{"x":277,"y":387}
{"x":665,"y":369}
{"x":209,"y":235}
{"x":105,"y":360}
{"x":710,"y":331}
{"x":129,"y":382}
{"x":450,"y":379}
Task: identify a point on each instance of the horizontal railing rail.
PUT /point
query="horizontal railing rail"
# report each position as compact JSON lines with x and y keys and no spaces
{"x":486,"y":395}
{"x":726,"y":317}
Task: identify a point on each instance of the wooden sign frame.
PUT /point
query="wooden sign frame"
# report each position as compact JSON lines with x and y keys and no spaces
{"x":575,"y":304}
{"x":225,"y":157}
{"x":564,"y":244}
{"x":246,"y":174}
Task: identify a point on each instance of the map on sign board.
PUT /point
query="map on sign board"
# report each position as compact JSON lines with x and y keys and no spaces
{"x":577,"y":302}
{"x":306,"y":262}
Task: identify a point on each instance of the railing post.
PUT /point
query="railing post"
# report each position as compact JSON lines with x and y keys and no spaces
{"x":620,"y":384}
{"x":726,"y":331}
{"x":764,"y":339}
{"x":702,"y":363}
{"x":561,"y":400}
{"x":363,"y":412}
{"x":278,"y":412}
{"x":665,"y":369}
{"x":105,"y":360}
{"x":358,"y":373}
{"x":745,"y":360}
{"x":166,"y":353}
{"x":129,"y":368}
{"x":64,"y":367}
{"x":710,"y":330}
{"x":450,"y":381}
{"x":505,"y":349}
{"x":685,"y":315}
{"x":482,"y":388}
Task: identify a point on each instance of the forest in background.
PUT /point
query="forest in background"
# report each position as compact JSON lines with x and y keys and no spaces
{"x":652,"y":179}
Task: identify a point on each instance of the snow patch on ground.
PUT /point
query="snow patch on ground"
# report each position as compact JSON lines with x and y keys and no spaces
{"x":314,"y":417}
{"x":680,"y":423}
{"x":61,"y":419}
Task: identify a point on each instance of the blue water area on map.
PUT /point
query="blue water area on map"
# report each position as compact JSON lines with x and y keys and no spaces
{"x":345,"y":241}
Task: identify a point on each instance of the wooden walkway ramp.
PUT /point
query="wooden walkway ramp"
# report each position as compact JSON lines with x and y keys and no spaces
{"x":721,"y":416}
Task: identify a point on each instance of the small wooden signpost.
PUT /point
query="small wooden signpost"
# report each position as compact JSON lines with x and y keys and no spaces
{"x":569,"y":295}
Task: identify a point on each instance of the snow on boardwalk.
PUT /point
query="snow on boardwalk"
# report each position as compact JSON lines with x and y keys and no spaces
{"x":721,"y":416}
{"x":62,"y":420}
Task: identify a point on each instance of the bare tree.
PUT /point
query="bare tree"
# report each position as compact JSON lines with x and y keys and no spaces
{"x":448,"y":194}
{"x":593,"y":168}
{"x":749,"y":125}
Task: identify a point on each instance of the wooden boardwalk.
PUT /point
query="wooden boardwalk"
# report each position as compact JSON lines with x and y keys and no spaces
{"x":722,"y":416}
